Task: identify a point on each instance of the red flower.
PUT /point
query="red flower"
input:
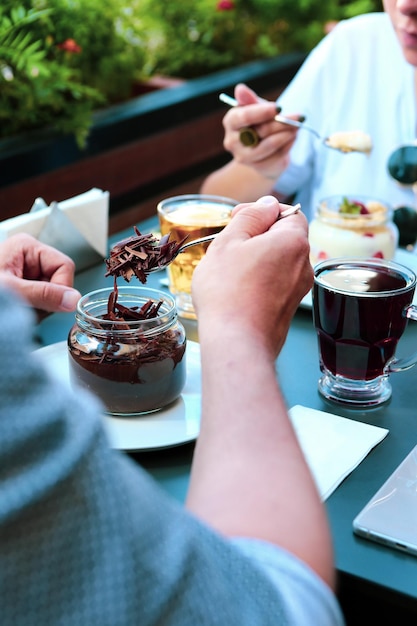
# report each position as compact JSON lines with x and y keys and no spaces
{"x":225,"y":5}
{"x":70,"y":45}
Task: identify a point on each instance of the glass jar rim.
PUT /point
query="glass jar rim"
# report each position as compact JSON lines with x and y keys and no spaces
{"x":98,"y":299}
{"x":329,"y":210}
{"x":169,"y":205}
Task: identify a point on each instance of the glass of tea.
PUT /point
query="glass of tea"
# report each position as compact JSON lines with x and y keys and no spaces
{"x":360,"y":311}
{"x":191,"y":216}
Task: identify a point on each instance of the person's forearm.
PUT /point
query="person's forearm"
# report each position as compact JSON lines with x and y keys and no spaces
{"x":239,"y":182}
{"x":249,"y":477}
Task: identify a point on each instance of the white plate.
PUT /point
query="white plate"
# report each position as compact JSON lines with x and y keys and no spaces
{"x":175,"y":425}
{"x":409,"y":259}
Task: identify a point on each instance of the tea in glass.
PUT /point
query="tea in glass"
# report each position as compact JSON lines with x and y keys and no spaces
{"x":191,"y":216}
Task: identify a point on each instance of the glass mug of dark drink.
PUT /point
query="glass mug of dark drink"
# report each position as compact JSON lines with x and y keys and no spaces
{"x":360,"y":310}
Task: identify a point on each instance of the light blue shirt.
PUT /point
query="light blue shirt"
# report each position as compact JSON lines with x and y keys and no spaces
{"x":355,"y":79}
{"x":88,"y":538}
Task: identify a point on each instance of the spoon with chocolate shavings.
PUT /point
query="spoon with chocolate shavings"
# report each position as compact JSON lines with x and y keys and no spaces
{"x":137,"y":255}
{"x":141,"y":254}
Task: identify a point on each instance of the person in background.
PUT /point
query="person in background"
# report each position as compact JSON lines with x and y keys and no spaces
{"x":361,"y":76}
{"x":87,"y":537}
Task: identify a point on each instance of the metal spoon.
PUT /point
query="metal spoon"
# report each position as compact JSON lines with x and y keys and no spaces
{"x":337,"y":138}
{"x":195,"y":242}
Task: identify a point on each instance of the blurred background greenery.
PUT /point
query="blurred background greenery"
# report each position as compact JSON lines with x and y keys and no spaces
{"x":62,"y":59}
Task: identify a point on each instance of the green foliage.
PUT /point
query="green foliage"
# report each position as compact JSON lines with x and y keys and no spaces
{"x":356,"y":7}
{"x":61,"y":59}
{"x":17,"y":46}
{"x":190,"y":38}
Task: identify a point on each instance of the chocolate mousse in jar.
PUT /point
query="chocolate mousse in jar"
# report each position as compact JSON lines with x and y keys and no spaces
{"x":354,"y":226}
{"x":127,"y":346}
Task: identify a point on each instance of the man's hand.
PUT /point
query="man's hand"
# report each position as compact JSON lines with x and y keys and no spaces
{"x":42,"y":275}
{"x":255,"y":272}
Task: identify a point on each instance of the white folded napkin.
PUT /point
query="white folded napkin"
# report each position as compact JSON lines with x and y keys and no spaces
{"x":77,"y":226}
{"x":333,"y":446}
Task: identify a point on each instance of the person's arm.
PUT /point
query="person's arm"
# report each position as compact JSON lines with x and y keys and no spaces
{"x":253,"y":170}
{"x":68,"y":500}
{"x":249,"y":477}
{"x":91,"y":539}
{"x":42,"y":275}
{"x":238,"y":181}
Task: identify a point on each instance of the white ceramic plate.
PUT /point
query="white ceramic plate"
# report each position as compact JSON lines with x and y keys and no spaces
{"x":409,"y":259}
{"x":175,"y":425}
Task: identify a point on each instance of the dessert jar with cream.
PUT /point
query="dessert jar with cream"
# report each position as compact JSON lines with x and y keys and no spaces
{"x":352,"y":226}
{"x":127,"y":346}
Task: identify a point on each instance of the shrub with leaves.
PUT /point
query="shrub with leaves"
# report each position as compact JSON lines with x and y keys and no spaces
{"x":61,"y":59}
{"x":190,"y":38}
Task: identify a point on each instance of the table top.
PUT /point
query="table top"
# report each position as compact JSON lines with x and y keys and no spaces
{"x":385,"y":571}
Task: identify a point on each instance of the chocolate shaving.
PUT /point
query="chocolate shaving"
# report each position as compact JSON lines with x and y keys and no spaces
{"x":137,"y":256}
{"x":140,"y":254}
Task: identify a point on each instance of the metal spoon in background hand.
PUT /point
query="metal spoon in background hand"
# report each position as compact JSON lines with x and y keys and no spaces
{"x":290,"y":211}
{"x":349,"y":141}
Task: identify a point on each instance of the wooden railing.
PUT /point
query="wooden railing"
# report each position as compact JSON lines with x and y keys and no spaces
{"x":156,"y":145}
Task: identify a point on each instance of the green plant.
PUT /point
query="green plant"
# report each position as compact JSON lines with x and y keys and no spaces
{"x":61,"y":59}
{"x":350,"y":8}
{"x":190,"y":38}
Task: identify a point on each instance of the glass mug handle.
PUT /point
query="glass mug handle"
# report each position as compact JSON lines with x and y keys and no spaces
{"x":400,"y":365}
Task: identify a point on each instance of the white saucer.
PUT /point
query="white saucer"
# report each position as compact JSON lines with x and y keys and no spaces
{"x":409,"y":259}
{"x":175,"y":425}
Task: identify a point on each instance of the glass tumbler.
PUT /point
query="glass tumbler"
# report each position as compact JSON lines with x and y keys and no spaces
{"x":192,"y":216}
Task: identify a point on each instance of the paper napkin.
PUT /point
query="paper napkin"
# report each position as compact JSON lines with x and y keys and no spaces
{"x":333,"y":446}
{"x":77,"y":226}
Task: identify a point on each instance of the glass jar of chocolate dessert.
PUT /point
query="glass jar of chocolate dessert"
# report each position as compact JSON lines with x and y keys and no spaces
{"x":352,"y":226}
{"x":127,"y":346}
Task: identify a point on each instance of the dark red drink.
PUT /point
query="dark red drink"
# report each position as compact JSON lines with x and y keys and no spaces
{"x":359,"y":316}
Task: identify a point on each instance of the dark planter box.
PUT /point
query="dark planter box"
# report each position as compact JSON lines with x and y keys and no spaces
{"x":152,"y":146}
